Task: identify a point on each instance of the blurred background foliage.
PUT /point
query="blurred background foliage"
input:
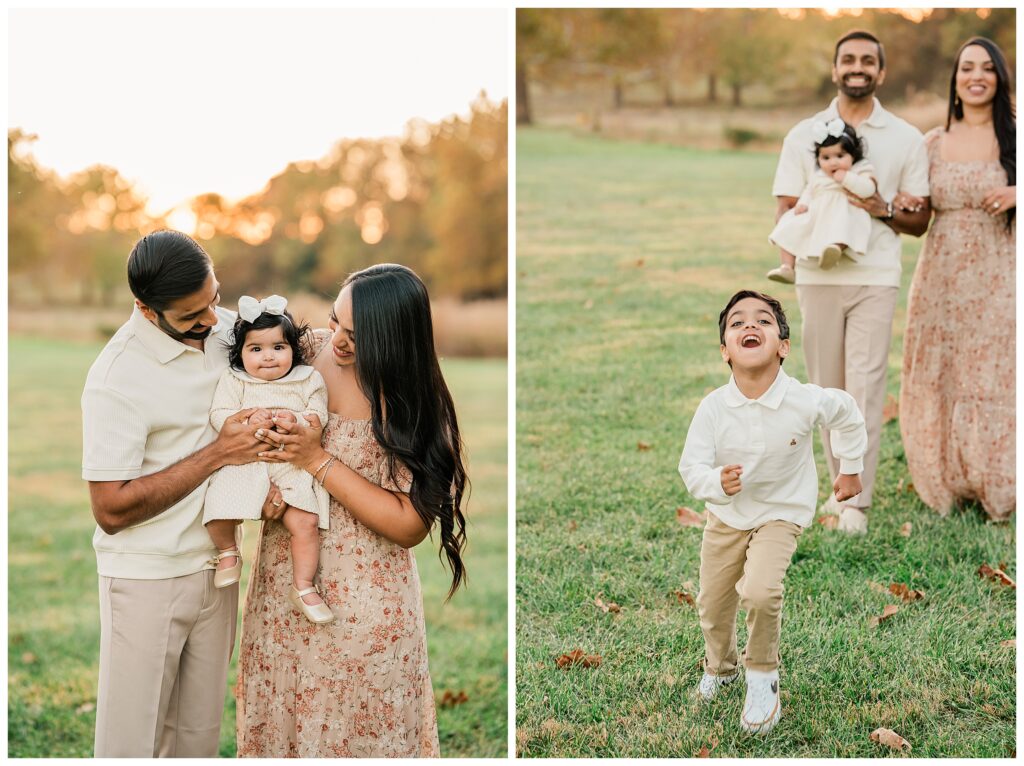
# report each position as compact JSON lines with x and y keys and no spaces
{"x":732,"y":57}
{"x":434,"y":199}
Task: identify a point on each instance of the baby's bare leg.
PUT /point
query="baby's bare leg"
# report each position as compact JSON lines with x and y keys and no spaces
{"x":305,"y":544}
{"x":222,"y":532}
{"x":787,"y":258}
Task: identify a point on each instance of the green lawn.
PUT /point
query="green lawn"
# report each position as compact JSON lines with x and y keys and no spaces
{"x":625,"y":255}
{"x":53,"y":618}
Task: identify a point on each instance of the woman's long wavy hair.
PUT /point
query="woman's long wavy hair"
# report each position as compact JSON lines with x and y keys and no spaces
{"x":412,"y":410}
{"x":1003,"y":113}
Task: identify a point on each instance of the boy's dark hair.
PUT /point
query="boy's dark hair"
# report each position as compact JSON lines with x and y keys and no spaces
{"x":860,"y":34}
{"x":293,"y":334}
{"x":848,"y":139}
{"x":165,"y":266}
{"x":776,"y":307}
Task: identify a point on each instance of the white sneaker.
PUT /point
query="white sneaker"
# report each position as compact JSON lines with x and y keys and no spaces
{"x":709,"y":685}
{"x":761,"y":709}
{"x":853,"y":520}
{"x":830,"y":507}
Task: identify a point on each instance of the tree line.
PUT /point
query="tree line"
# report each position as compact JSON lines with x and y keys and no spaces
{"x":434,"y":199}
{"x":724,"y":52}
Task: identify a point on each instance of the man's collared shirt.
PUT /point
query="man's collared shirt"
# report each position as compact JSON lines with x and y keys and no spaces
{"x":896,"y":150}
{"x":146,"y":406}
{"x":771,"y":437}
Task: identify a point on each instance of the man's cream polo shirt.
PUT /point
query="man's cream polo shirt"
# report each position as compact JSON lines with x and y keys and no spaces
{"x":146,"y":405}
{"x":896,"y":150}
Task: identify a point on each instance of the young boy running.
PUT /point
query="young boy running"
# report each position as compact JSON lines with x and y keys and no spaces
{"x":748,"y":455}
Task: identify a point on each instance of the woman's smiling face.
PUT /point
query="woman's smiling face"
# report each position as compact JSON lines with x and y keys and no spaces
{"x":976,"y":78}
{"x":343,"y":340}
{"x":752,"y":336}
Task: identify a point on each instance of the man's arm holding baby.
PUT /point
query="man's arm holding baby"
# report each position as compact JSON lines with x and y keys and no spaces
{"x":702,"y":478}
{"x":117,"y":505}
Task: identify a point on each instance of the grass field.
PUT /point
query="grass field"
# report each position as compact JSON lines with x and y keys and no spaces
{"x":626,"y":253}
{"x":53,"y":618}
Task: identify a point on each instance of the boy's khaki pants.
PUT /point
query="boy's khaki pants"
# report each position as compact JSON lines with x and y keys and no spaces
{"x":743,"y":569}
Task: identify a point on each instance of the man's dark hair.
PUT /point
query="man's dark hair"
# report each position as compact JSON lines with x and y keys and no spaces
{"x":860,"y":34}
{"x":776,"y":307}
{"x":294,"y":335}
{"x":165,"y":266}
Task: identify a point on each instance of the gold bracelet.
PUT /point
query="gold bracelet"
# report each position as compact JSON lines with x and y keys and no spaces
{"x":320,"y":467}
{"x":327,"y":470}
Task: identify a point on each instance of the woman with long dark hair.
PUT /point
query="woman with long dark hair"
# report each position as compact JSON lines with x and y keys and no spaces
{"x":391,"y":459}
{"x":957,"y":411}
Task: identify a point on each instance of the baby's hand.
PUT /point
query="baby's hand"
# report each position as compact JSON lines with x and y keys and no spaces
{"x":260,"y":417}
{"x":731,"y":479}
{"x":846,"y":485}
{"x":839,"y":174}
{"x":800,"y":210}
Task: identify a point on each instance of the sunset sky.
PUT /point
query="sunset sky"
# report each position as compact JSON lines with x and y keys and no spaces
{"x":184,"y":102}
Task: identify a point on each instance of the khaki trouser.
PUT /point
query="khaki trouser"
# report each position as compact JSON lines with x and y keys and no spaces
{"x":847,"y":330}
{"x":164,"y":652}
{"x":743,"y":569}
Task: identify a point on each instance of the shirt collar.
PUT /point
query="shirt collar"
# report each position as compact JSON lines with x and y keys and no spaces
{"x":772,"y":398}
{"x":162,"y":345}
{"x":876,"y":119}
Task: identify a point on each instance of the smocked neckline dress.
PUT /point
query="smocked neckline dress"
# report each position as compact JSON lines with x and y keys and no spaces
{"x":957,"y":398}
{"x":360,"y":686}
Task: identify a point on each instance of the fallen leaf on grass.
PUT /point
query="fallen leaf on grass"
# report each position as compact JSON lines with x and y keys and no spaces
{"x":28,"y":658}
{"x":572,"y":526}
{"x":611,"y":606}
{"x":705,"y":750}
{"x":891,"y":410}
{"x":86,"y":707}
{"x":829,"y":521}
{"x":642,"y":446}
{"x":996,"y":575}
{"x":578,"y":657}
{"x":905,"y":486}
{"x":688,"y":517}
{"x":451,"y":699}
{"x":639,"y":262}
{"x":1010,"y":642}
{"x":906,"y":529}
{"x":904,"y":592}
{"x":888,"y":612}
{"x":889,"y":738}
{"x":684,"y":598}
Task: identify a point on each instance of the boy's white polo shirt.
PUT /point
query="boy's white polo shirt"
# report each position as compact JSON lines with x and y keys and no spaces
{"x":899,"y":157}
{"x":146,"y":405}
{"x":772,"y":438}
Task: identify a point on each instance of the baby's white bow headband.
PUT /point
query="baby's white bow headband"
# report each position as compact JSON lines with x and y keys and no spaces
{"x":820,"y":130}
{"x":249,"y":308}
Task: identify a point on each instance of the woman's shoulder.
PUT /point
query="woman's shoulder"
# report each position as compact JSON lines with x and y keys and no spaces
{"x":933,"y":136}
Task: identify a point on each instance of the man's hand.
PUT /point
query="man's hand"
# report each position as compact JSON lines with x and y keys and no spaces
{"x":731,"y":479}
{"x":274,"y":506}
{"x":236,"y":443}
{"x":800,"y":209}
{"x":846,"y":485}
{"x":875,"y":205}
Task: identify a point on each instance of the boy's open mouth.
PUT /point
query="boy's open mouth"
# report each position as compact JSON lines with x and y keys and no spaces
{"x":750,"y":341}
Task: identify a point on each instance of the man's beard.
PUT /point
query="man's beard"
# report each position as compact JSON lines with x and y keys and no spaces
{"x":859,"y":91}
{"x":181,"y":336}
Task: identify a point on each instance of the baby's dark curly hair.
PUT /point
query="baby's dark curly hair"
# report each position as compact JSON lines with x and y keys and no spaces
{"x":850,"y":141}
{"x":293,"y":333}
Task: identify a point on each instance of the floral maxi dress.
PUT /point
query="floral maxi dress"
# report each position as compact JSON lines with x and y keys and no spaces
{"x":957,"y":406}
{"x":360,"y":686}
